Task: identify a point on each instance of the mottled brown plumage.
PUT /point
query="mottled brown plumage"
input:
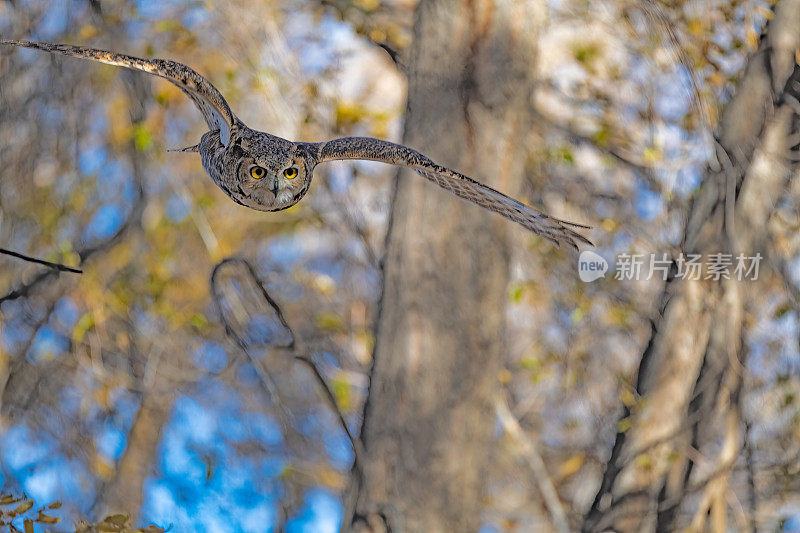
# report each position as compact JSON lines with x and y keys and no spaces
{"x":267,"y":173}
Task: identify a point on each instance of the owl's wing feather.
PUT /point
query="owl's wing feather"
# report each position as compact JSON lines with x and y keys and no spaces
{"x":554,"y":230}
{"x":207,"y":98}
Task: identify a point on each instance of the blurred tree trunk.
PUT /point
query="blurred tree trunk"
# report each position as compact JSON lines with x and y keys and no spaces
{"x":692,"y":368}
{"x":125,"y":492}
{"x":428,"y":422}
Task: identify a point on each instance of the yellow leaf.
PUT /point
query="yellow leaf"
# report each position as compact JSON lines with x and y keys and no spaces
{"x":142,"y":138}
{"x":716,"y":79}
{"x":367,"y":5}
{"x":515,"y":292}
{"x":695,"y":27}
{"x":608,"y":224}
{"x":88,"y":31}
{"x":618,"y":315}
{"x":329,"y":321}
{"x":103,"y":395}
{"x":83,"y":325}
{"x":47,"y":519}
{"x":751,"y":39}
{"x":348,"y":113}
{"x":330,"y":478}
{"x":571,"y":465}
{"x":602,"y":136}
{"x":342,"y":392}
{"x":653,"y":155}
{"x":644,"y":461}
{"x":377,"y":35}
{"x":585,"y":53}
{"x":104,"y":469}
{"x":118,"y":520}
{"x":24,"y":507}
{"x":627,"y":398}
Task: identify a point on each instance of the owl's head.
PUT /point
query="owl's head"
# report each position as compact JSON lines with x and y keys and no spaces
{"x":258,"y":170}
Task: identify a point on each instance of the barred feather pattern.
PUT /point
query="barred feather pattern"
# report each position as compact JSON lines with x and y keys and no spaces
{"x":230,"y":151}
{"x":206,"y":97}
{"x":553,"y":229}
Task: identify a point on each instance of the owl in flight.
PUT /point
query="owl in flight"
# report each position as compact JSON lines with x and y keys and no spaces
{"x":267,"y":173}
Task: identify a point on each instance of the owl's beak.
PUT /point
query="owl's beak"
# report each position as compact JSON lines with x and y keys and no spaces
{"x":275,"y":187}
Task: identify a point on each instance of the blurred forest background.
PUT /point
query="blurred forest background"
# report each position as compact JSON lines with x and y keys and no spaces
{"x":182,"y":388}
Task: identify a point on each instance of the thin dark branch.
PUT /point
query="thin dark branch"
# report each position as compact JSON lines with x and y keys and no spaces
{"x":55,"y":266}
{"x":263,"y":374}
{"x":293,"y":346}
{"x":394,"y":55}
{"x":24,"y":289}
{"x":86,"y":252}
{"x":252,"y":273}
{"x":331,"y":399}
{"x":136,"y":88}
{"x":751,"y":474}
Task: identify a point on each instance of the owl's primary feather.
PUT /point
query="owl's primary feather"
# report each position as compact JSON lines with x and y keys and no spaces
{"x":550,"y":228}
{"x":207,"y":98}
{"x":267,"y":173}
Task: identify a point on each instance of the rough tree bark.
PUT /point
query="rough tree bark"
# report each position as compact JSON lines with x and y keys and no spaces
{"x":429,"y":420}
{"x":693,"y":363}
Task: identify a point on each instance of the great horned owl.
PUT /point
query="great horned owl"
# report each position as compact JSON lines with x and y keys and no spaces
{"x":267,"y":173}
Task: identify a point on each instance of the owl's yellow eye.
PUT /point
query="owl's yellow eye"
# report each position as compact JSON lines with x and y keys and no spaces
{"x":290,"y":173}
{"x":258,"y":172}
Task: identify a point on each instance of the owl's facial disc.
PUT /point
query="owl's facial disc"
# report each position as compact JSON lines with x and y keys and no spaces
{"x":274,"y":186}
{"x":271,"y":183}
{"x":286,"y":185}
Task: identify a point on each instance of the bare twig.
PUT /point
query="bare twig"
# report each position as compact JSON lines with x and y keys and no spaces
{"x":56,"y":266}
{"x":24,"y":289}
{"x":534,"y":459}
{"x":294,"y":348}
{"x":751,"y":472}
{"x":135,"y":91}
{"x":266,"y":379}
{"x":662,"y":22}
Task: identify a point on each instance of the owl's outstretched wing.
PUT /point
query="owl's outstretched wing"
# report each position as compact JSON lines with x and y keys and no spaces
{"x":207,"y":98}
{"x":366,"y":148}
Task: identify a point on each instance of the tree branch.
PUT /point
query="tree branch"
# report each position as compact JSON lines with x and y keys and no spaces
{"x":294,"y":348}
{"x":55,"y":266}
{"x":534,"y":459}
